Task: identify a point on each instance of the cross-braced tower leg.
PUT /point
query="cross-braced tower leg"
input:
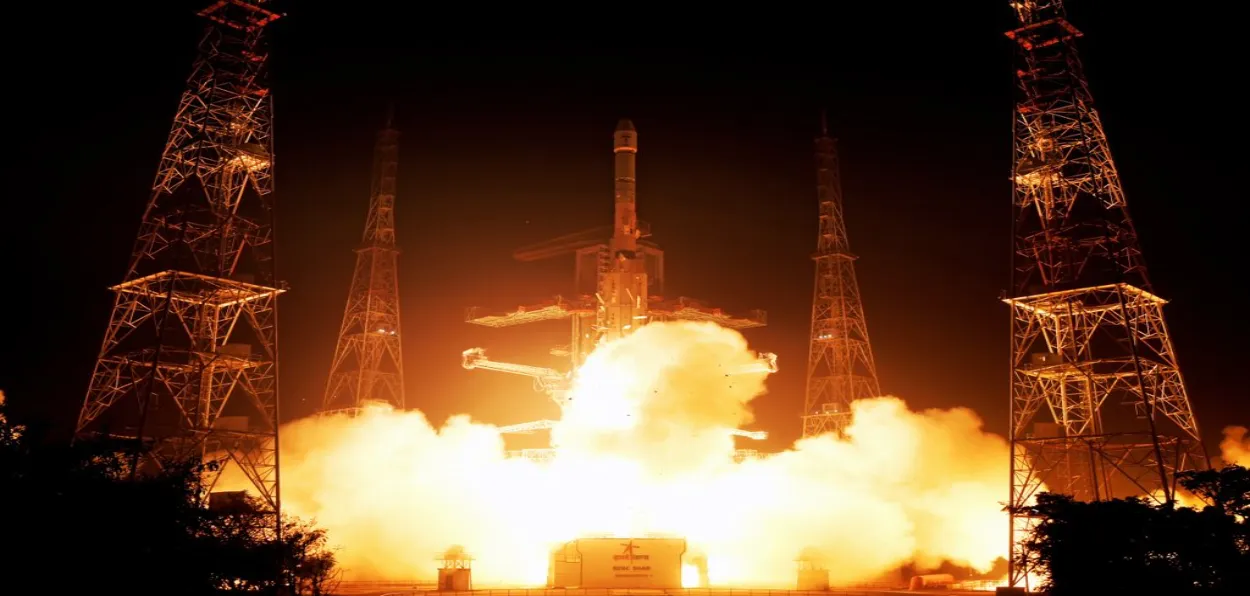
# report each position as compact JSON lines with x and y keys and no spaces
{"x":1098,"y":405}
{"x":368,"y":361}
{"x":840,"y":367}
{"x":188,"y":366}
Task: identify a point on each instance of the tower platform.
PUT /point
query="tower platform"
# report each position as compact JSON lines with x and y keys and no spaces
{"x":661,"y":309}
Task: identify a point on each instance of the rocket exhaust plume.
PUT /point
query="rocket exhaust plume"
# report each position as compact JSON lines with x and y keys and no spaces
{"x":642,"y":449}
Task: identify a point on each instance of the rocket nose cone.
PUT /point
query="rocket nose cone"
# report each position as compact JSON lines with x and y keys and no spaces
{"x":625,"y":125}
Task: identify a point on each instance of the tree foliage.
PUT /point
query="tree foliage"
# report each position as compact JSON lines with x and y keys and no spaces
{"x":1130,"y":546}
{"x":75,"y":520}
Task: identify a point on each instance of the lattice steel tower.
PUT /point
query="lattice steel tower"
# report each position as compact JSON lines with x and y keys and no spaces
{"x":840,"y":367}
{"x":1088,"y":335}
{"x":368,"y":362}
{"x":189,"y":361}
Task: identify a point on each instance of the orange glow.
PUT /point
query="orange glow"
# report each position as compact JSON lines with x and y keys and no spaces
{"x":1181,"y":498}
{"x":1234,"y":450}
{"x":642,"y":449}
{"x":1236,"y":446}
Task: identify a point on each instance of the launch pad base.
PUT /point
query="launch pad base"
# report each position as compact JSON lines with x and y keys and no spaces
{"x":853,"y":591}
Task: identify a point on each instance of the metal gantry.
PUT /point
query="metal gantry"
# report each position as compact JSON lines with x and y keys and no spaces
{"x":188,"y":365}
{"x":840,"y":366}
{"x":558,"y":386}
{"x":605,"y":255}
{"x":1098,"y":405}
{"x":368,"y":360}
{"x":617,"y":280}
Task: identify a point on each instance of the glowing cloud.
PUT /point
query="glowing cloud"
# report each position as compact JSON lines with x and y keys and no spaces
{"x":1235,"y":448}
{"x":643,"y":449}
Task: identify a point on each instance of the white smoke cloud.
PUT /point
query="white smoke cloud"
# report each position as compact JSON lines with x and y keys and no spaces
{"x":644,"y":449}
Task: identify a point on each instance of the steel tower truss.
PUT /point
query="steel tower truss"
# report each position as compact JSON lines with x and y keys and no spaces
{"x":840,"y":367}
{"x":188,"y":365}
{"x":368,"y":362}
{"x":1088,"y":335}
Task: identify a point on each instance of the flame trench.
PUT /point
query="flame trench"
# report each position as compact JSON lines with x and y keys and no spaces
{"x":642,"y":449}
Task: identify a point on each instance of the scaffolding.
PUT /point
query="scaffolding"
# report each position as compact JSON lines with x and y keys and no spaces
{"x":188,"y":365}
{"x":1087,"y":334}
{"x":618,"y":280}
{"x":840,"y":365}
{"x":368,"y":359}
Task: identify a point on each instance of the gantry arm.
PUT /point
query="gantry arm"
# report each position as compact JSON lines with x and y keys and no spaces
{"x":767,"y":364}
{"x":545,"y":379}
{"x":556,"y":385}
{"x":537,"y":425}
{"x":527,"y":427}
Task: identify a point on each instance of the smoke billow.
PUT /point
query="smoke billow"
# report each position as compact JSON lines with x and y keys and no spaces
{"x":665,"y":397}
{"x":644,"y":448}
{"x":1235,"y":448}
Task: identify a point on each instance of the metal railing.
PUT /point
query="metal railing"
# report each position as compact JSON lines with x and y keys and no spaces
{"x":404,"y":583}
{"x":865,"y":590}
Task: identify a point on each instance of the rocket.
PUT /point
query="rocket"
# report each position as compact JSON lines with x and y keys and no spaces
{"x":625,"y":231}
{"x":623,"y":286}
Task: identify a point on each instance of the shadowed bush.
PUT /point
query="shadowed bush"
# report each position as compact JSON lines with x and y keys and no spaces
{"x":74,"y":519}
{"x":1129,"y":546}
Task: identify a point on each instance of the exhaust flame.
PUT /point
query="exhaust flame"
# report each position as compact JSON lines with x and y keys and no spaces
{"x":642,"y":449}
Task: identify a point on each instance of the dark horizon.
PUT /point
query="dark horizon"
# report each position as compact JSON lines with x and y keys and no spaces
{"x":504,"y":144}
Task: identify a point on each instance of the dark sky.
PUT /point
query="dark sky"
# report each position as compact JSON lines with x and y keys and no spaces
{"x":507,"y":123}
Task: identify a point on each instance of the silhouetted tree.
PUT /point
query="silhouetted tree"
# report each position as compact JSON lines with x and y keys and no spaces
{"x":1227,"y":489}
{"x":1130,"y":546}
{"x":75,"y":520}
{"x":311,"y":563}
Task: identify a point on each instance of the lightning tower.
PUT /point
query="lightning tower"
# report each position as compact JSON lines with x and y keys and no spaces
{"x":368,"y":362}
{"x":840,"y":367}
{"x":189,"y":362}
{"x":1098,"y":406}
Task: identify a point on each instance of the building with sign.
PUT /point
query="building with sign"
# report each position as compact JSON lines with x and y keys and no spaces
{"x":617,"y":563}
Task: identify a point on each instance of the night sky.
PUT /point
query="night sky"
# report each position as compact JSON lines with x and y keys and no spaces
{"x":507,"y":123}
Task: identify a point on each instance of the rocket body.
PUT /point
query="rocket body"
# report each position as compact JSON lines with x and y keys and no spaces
{"x":625,"y":148}
{"x":623,"y":282}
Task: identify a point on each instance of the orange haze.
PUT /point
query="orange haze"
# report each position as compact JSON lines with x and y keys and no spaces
{"x":1235,"y":448}
{"x":643,"y":449}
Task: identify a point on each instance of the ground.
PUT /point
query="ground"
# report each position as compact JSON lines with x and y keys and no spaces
{"x":402,"y":589}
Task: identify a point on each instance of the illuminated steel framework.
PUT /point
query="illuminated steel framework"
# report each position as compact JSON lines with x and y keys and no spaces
{"x":840,"y":367}
{"x":615,"y":267}
{"x":1088,"y":335}
{"x":604,"y":256}
{"x":617,"y":279}
{"x":368,"y":361}
{"x":188,"y":365}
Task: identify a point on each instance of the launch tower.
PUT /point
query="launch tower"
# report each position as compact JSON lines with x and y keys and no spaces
{"x":617,"y":280}
{"x":368,"y":361}
{"x":840,"y":367}
{"x":189,"y":362}
{"x":1098,"y":405}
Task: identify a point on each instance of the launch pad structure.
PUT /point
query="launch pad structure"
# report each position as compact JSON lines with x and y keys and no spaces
{"x":618,"y":287}
{"x":1088,"y":335}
